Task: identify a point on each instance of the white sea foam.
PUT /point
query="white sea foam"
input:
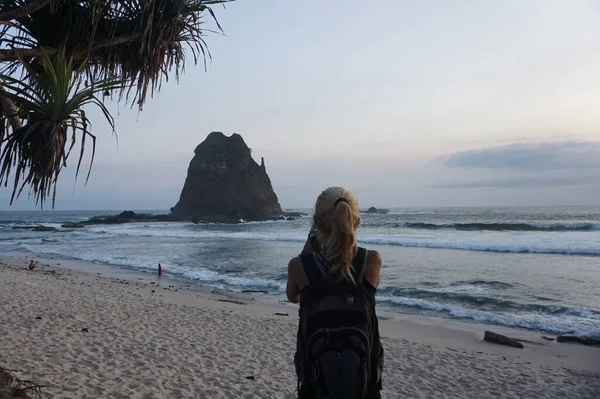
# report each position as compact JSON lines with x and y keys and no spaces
{"x":570,"y":243}
{"x":562,"y":323}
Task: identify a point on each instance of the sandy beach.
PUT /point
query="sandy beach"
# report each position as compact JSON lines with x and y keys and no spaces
{"x":151,"y":338}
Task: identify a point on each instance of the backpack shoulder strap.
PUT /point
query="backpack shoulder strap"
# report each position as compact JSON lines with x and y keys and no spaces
{"x":312,"y":269}
{"x":360,"y":264}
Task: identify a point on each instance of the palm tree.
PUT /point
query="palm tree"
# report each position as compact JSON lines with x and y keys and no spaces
{"x":57,"y":56}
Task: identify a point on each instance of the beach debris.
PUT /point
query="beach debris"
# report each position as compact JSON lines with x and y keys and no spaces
{"x":501,"y":339}
{"x":254,"y":292}
{"x":578,"y":339}
{"x":233,"y":301}
{"x":250,"y":377}
{"x":13,"y":387}
{"x":152,"y":282}
{"x":38,"y":317}
{"x":548,"y":338}
{"x":85,"y":329}
{"x":281,"y":314}
{"x":153,"y":291}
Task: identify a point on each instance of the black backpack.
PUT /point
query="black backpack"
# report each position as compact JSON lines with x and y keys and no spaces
{"x":339,"y":355}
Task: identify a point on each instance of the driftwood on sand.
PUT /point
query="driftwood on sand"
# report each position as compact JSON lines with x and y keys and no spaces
{"x":579,"y":339}
{"x":501,"y":339}
{"x":13,"y":387}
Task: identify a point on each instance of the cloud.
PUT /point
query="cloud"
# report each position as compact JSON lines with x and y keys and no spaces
{"x":564,"y":155}
{"x":527,"y":182}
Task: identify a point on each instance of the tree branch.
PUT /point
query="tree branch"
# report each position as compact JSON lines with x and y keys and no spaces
{"x":14,"y":53}
{"x":115,"y":41}
{"x":10,"y":110}
{"x":9,"y":54}
{"x":24,"y":11}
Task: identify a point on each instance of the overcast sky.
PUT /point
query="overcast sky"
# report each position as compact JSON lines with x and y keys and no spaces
{"x":428,"y":103}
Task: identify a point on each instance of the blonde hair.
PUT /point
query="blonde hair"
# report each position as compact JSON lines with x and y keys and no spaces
{"x":336,"y":219}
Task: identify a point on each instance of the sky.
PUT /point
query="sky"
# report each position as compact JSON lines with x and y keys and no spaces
{"x":405,"y":103}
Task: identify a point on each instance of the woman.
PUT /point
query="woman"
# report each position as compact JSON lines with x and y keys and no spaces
{"x":339,"y":352}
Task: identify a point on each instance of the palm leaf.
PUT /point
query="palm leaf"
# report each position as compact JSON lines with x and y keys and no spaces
{"x":37,"y":152}
{"x":56,"y":56}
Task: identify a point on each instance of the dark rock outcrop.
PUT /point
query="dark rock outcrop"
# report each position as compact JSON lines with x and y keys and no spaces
{"x":501,"y":339}
{"x":125,"y":217}
{"x":132,"y":217}
{"x":44,"y":228}
{"x":72,"y":225}
{"x":34,"y":228}
{"x":224,"y":184}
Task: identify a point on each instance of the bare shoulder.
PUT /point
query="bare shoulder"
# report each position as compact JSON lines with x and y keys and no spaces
{"x":374,"y":259}
{"x":295,"y":269}
{"x":295,"y":264}
{"x":373,"y":268}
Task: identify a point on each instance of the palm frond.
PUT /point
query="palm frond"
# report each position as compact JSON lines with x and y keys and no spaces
{"x":57,"y":55}
{"x":140,"y":41}
{"x":53,"y":109}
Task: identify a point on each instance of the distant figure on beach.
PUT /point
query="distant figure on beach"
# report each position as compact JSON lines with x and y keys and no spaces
{"x":339,"y":352}
{"x":32,"y":264}
{"x":159,"y":270}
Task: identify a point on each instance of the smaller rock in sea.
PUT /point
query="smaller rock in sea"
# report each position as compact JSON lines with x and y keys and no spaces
{"x":85,"y":329}
{"x":128,"y":215}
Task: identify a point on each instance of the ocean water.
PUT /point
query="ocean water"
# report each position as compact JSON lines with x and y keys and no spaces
{"x":535,"y":268}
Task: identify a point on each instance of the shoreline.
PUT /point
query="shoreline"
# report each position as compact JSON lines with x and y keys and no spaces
{"x":185,"y":341}
{"x":387,"y":311}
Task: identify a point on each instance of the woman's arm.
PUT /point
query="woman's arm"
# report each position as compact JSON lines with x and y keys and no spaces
{"x":292,"y":288}
{"x":373,"y":271}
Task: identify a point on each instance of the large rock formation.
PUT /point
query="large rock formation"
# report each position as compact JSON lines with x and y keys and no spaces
{"x":225,"y":184}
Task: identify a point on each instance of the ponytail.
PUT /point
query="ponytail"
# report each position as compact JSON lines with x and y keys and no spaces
{"x":336,"y":229}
